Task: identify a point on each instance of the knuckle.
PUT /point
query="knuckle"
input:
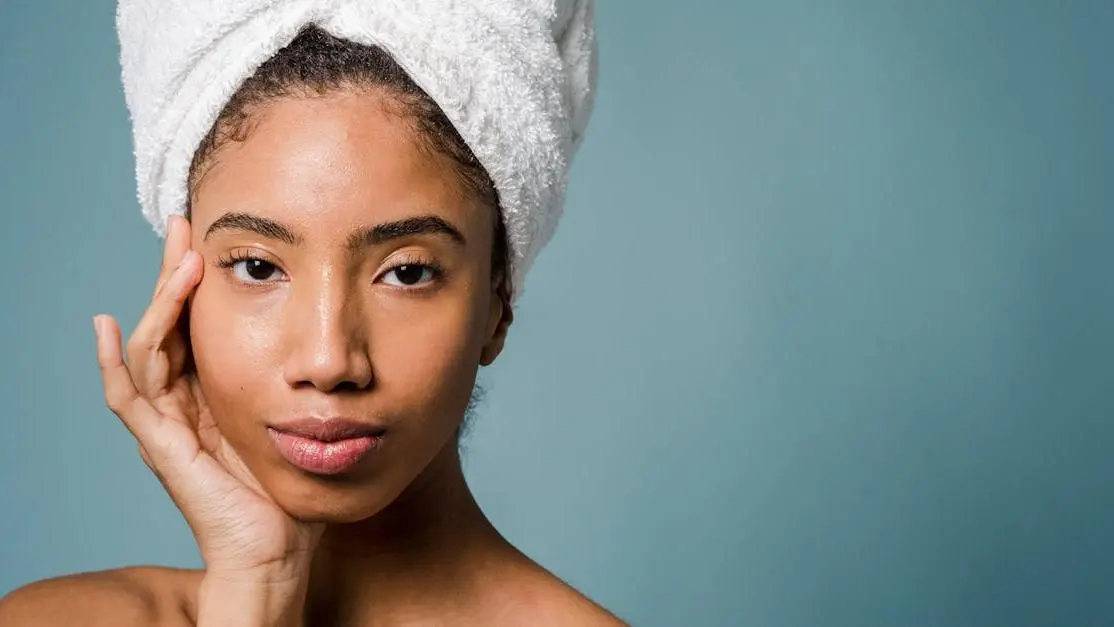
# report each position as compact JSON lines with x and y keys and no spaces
{"x":132,"y":344}
{"x":141,"y":345}
{"x":114,"y":402}
{"x":137,"y":341}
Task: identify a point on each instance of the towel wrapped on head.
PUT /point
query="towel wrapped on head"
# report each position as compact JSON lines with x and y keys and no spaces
{"x":515,"y":77}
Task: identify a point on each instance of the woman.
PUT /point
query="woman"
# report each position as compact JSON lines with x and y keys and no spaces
{"x":346,"y":258}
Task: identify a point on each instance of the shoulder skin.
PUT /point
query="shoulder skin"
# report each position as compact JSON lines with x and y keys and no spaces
{"x":138,"y":596}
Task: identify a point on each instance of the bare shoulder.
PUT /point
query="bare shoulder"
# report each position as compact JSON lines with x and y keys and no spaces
{"x":138,"y":596}
{"x":538,"y":597}
{"x":561,"y":605}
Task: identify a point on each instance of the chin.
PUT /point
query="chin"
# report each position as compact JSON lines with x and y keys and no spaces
{"x":332,"y":500}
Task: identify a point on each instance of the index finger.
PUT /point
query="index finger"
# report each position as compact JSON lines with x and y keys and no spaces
{"x":175,"y":248}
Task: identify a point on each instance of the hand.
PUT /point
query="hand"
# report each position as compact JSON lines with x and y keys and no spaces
{"x":240,"y":530}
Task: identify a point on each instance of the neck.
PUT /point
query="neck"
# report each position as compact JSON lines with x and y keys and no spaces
{"x":426,"y":547}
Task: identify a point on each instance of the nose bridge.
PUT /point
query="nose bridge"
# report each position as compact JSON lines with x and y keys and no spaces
{"x":327,"y":343}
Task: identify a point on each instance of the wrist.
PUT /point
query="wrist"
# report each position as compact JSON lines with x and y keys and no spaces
{"x":271,"y":597}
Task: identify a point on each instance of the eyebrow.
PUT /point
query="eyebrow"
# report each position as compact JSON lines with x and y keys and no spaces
{"x":372,"y":236}
{"x":418,"y":225}
{"x":246,"y":222}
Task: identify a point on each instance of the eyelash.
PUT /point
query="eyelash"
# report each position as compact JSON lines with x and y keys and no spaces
{"x":236,"y":256}
{"x":437,"y":270}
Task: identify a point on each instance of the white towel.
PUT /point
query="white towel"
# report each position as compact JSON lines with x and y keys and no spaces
{"x":515,"y":77}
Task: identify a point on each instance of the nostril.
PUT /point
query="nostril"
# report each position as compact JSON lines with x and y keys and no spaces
{"x":351,"y":386}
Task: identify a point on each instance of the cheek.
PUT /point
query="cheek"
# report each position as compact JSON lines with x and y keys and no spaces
{"x":430,"y":356}
{"x":232,"y":350}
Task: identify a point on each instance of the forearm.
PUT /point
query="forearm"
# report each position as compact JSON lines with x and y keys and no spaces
{"x":251,"y":600}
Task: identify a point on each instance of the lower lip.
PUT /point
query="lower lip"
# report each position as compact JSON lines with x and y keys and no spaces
{"x":322,"y":458}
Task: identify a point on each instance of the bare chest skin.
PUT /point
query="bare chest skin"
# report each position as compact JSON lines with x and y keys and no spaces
{"x":540,"y":602}
{"x":142,"y":596}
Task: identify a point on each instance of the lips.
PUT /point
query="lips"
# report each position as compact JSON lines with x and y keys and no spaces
{"x":329,"y":430}
{"x":325,"y":447}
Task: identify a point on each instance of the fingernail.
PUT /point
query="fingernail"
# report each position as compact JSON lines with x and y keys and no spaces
{"x":97,"y":323}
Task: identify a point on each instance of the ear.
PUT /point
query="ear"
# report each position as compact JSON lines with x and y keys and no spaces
{"x":499,"y":319}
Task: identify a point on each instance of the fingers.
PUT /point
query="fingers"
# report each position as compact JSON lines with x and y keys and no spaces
{"x":132,"y":387}
{"x":150,"y":364}
{"x":174,"y":249}
{"x":120,"y":393}
{"x":204,"y":424}
{"x":166,"y":446}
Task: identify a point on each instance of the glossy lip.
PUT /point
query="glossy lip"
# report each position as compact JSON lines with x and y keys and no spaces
{"x":329,"y":429}
{"x":325,"y":446}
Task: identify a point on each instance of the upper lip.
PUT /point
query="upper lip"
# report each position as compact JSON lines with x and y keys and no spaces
{"x":329,"y":429}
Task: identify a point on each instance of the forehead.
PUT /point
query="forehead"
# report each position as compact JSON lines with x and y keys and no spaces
{"x":329,"y":163}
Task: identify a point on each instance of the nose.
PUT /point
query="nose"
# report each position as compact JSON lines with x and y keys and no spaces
{"x":326,"y":339}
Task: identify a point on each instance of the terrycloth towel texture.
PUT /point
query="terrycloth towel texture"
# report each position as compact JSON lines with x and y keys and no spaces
{"x":516,"y":77}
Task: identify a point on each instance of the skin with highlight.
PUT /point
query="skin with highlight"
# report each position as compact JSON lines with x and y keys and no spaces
{"x":333,"y":328}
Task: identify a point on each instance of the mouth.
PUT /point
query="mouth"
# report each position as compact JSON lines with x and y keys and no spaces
{"x":325,"y":447}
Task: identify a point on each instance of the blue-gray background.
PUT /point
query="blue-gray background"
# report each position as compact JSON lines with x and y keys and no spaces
{"x":825,"y":337}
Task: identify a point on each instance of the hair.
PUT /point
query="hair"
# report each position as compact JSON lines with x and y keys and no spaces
{"x":316,"y":63}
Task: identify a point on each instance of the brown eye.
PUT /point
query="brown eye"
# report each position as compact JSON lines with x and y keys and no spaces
{"x":411,"y":274}
{"x":255,"y":271}
{"x":259,"y":270}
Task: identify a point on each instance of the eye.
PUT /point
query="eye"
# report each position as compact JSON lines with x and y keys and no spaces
{"x":250,"y":269}
{"x":411,"y":274}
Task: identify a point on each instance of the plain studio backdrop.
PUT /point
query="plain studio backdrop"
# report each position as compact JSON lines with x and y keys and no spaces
{"x":825,"y":336}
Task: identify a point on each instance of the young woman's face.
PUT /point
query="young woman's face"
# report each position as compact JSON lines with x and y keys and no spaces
{"x":347,"y":275}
